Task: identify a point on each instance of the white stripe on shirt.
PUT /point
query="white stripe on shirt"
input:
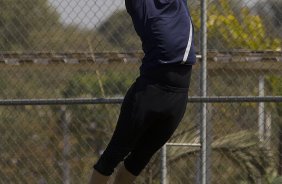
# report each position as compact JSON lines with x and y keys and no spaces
{"x":188,"y":48}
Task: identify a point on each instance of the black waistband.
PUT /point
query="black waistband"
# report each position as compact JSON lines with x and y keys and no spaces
{"x":174,"y":75}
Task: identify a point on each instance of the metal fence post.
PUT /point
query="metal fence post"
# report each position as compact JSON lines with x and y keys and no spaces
{"x":204,"y":128}
{"x":261,"y":117}
{"x":163,"y":165}
{"x":268,"y":129}
{"x":65,"y":118}
{"x":261,"y":111}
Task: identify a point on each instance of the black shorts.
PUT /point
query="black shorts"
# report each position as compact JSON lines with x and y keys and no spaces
{"x":150,"y":113}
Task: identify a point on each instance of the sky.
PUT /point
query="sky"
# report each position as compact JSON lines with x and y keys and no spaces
{"x":86,"y":13}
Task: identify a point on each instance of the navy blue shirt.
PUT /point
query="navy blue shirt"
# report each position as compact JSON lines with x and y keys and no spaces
{"x":166,"y":31}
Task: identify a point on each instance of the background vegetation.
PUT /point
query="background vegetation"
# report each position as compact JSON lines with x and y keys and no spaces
{"x":35,"y":143}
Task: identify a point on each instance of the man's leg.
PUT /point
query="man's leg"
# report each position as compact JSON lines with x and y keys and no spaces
{"x":125,"y":135}
{"x":162,"y":123}
{"x":123,"y":176}
{"x":98,"y":178}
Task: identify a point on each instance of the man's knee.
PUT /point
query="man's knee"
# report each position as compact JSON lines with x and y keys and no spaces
{"x":136,"y":162}
{"x":109,"y":161}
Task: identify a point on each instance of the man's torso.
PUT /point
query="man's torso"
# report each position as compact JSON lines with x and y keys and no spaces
{"x":166,"y":31}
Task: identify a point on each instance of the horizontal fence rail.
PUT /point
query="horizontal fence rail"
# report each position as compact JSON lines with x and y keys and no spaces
{"x":18,"y":58}
{"x":86,"y":101}
{"x":183,"y":144}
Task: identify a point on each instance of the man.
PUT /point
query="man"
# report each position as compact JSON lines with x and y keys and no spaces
{"x":155,"y":104}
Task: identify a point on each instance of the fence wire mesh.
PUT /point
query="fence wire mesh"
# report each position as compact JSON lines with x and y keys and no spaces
{"x":88,"y":49}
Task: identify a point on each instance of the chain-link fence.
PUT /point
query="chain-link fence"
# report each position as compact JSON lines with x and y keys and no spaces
{"x":66,"y":64}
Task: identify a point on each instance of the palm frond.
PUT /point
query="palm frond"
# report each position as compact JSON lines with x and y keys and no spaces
{"x":242,"y":149}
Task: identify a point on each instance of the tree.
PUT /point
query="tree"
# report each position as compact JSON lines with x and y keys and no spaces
{"x":18,"y":19}
{"x":68,"y":38}
{"x":271,"y":13}
{"x":120,"y":33}
{"x":34,"y":25}
{"x":233,"y":28}
{"x":275,"y":83}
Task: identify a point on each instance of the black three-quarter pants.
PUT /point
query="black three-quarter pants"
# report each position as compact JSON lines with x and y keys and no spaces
{"x":150,"y":113}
